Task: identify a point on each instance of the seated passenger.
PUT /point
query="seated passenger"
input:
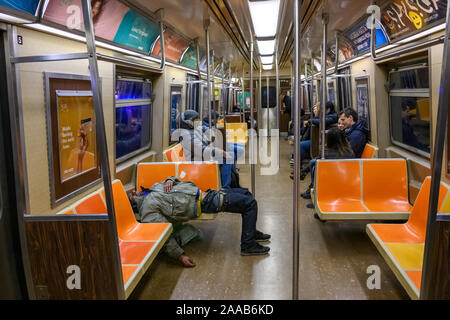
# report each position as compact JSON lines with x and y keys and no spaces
{"x":197,"y":144}
{"x":177,"y":202}
{"x":337,"y":148}
{"x":330,"y":118}
{"x":356,"y":130}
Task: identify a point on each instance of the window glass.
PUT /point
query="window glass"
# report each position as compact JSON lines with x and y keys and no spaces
{"x":133,"y":118}
{"x":410,"y":122}
{"x":132,"y":129}
{"x":410,"y":79}
{"x":126,"y":90}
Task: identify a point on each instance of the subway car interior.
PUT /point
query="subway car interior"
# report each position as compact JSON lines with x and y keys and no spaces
{"x":224,"y":150}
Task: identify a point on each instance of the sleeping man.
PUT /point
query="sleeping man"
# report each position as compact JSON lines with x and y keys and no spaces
{"x":178,"y":202}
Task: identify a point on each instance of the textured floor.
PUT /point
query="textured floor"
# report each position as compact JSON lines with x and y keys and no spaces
{"x":334,"y":256}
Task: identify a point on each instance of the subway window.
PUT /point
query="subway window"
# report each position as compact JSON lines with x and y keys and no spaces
{"x":410,"y":108}
{"x":192,"y":93}
{"x":133,"y":117}
{"x":344,"y":86}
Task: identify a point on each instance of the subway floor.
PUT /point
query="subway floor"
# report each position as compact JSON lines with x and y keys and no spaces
{"x":334,"y":256}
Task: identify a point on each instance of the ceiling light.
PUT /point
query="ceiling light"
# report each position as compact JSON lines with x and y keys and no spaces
{"x":267,"y":60}
{"x":267,"y":66}
{"x":266,"y":47}
{"x":265,"y":17}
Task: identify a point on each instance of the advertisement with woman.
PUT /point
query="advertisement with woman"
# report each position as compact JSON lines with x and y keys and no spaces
{"x":113,"y":21}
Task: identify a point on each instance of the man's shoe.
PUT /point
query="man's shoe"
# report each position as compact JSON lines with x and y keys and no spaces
{"x":310,"y":206}
{"x":261,"y":237}
{"x":303,"y":175}
{"x":255,"y":250}
{"x":306,"y":195}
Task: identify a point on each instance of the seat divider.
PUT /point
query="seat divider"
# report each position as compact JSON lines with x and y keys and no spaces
{"x":361,"y":170}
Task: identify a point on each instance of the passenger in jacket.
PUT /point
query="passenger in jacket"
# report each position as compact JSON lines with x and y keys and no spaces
{"x":330,"y":118}
{"x":355,"y":130}
{"x":178,"y":202}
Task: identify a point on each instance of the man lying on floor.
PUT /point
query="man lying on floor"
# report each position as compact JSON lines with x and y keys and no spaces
{"x":177,"y":202}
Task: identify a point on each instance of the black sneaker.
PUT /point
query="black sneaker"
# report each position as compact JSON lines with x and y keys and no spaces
{"x":306,"y":195}
{"x":303,"y":175}
{"x":310,"y":206}
{"x":261,"y":237}
{"x":255,"y":250}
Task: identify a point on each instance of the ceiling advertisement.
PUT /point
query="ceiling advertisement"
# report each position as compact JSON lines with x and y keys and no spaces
{"x":28,"y":6}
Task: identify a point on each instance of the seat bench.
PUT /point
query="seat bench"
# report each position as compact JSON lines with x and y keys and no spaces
{"x":402,"y":245}
{"x":362,"y":189}
{"x":174,"y":154}
{"x":139,"y":244}
{"x":205,"y":175}
{"x":237,"y":133}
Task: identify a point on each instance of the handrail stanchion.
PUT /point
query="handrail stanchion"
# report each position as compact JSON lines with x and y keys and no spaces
{"x":252,"y":133}
{"x":431,"y":287}
{"x":101,"y":140}
{"x":206,"y":24}
{"x":324,"y":84}
{"x":277,"y":71}
{"x":297,"y":197}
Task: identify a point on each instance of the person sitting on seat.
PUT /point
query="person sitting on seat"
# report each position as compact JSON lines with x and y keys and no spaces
{"x":177,"y":202}
{"x":337,"y":148}
{"x":355,"y":130}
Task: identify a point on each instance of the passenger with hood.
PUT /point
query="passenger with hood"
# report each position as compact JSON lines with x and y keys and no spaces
{"x":355,"y":129}
{"x":198,"y":147}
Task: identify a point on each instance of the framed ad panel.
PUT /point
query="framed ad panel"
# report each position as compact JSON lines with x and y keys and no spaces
{"x":176,"y":92}
{"x":363,"y":101}
{"x":74,"y":160}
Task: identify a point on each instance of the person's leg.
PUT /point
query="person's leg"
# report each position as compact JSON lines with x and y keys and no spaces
{"x":305,"y":147}
{"x":225,"y":174}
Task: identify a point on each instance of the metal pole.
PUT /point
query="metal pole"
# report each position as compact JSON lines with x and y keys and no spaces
{"x":324,"y":83}
{"x":252,"y":135}
{"x":243,"y":95}
{"x":222,"y":94}
{"x":212,"y":103}
{"x":208,"y":65}
{"x":431,"y":259}
{"x":297,"y":157}
{"x":277,"y":71}
{"x":260,"y":98}
{"x":101,"y":140}
{"x":199,"y":74}
{"x":268,"y":109}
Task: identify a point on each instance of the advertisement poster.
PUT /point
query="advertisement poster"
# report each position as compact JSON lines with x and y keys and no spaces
{"x":174,"y":46}
{"x":76,"y":129}
{"x":113,"y":21}
{"x":175,"y":108}
{"x":247,"y":99}
{"x":362,"y":100}
{"x":29,"y":6}
{"x":360,"y":37}
{"x":402,"y":17}
{"x":189,"y":58}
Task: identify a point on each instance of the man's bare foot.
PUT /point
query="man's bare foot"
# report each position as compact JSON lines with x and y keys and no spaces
{"x":186,"y":261}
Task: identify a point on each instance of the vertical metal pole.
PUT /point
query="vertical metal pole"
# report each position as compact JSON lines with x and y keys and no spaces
{"x":252,"y":135}
{"x":268,"y":109}
{"x":230,"y":92}
{"x":212,"y":102}
{"x":277,"y":71}
{"x":324,"y":83}
{"x":223,"y":93}
{"x":260,"y":112}
{"x":297,"y":157}
{"x":243,"y":95}
{"x":431,"y":259}
{"x":199,"y":74}
{"x":101,"y":139}
{"x":206,"y":24}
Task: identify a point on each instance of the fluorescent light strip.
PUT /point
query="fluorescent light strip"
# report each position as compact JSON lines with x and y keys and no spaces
{"x":267,"y":60}
{"x":267,"y":67}
{"x":265,"y":17}
{"x":266,"y":47}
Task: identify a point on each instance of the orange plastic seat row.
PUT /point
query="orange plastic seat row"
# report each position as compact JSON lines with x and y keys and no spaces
{"x":402,"y":245}
{"x":91,"y":204}
{"x":362,"y":189}
{"x":174,"y":154}
{"x":370,"y":152}
{"x":205,"y":175}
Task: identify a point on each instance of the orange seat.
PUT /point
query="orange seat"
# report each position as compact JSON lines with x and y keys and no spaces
{"x":237,"y":133}
{"x":369,"y":152}
{"x":385,"y":186}
{"x":69,"y":212}
{"x":127,"y":272}
{"x":346,"y":198}
{"x":402,"y":245}
{"x":92,"y":205}
{"x":414,"y":231}
{"x":150,"y":173}
{"x":204,"y":175}
{"x":175,"y":154}
{"x":128,"y":228}
{"x":134,"y":252}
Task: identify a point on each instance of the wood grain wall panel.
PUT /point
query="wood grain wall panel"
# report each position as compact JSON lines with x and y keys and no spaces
{"x":54,"y":246}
